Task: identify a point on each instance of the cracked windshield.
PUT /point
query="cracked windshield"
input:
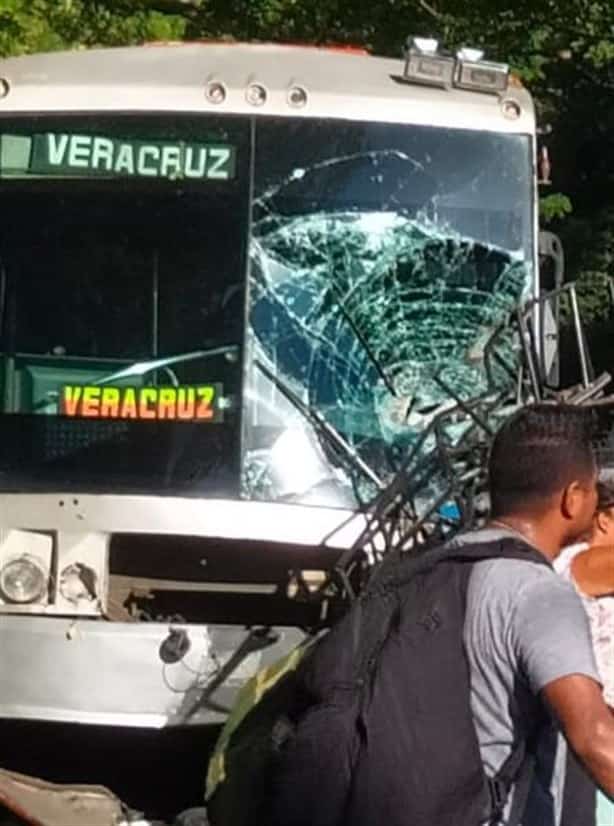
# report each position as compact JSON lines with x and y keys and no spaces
{"x":383,"y":257}
{"x":122,"y":260}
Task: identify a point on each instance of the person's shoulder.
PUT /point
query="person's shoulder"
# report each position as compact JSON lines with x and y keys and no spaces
{"x":523,"y":599}
{"x":510,"y":573}
{"x":511,"y":579}
{"x":514,"y":581}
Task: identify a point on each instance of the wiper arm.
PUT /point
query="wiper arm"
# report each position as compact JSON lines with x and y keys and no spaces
{"x":370,"y":354}
{"x":141,"y":368}
{"x":327,"y":430}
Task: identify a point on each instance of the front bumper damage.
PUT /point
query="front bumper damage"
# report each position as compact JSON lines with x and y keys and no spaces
{"x":123,"y":674}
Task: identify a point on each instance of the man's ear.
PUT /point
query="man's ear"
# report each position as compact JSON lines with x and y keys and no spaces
{"x":601,"y":521}
{"x":572,"y":500}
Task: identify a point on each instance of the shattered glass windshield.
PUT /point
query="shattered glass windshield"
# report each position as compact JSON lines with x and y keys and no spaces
{"x":383,"y":257}
{"x":257,"y":307}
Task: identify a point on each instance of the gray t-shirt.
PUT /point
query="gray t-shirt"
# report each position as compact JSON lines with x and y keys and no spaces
{"x":524,"y":628}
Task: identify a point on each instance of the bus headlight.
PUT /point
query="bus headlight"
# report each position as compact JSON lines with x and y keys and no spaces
{"x":23,"y":581}
{"x":78,"y":583}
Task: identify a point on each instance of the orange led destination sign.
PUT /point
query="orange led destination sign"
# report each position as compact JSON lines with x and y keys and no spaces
{"x":193,"y":403}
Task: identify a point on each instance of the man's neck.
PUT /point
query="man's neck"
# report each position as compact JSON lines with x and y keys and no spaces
{"x":532,"y":531}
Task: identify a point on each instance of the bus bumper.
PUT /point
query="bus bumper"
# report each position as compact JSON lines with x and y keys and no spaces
{"x":124,"y":674}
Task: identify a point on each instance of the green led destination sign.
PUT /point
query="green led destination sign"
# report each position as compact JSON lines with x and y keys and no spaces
{"x":65,"y":154}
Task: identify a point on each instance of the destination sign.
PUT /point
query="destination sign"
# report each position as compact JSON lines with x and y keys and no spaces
{"x":193,"y":403}
{"x":66,"y":154}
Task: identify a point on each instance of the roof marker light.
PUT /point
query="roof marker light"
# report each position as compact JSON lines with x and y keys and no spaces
{"x":511,"y":109}
{"x":424,"y":45}
{"x":424,"y":65}
{"x":478,"y":75}
{"x":297,"y":96}
{"x":472,"y":55}
{"x":256,"y":94}
{"x":215,"y":92}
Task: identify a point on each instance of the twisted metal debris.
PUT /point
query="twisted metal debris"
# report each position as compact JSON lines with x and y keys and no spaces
{"x":439,"y":488}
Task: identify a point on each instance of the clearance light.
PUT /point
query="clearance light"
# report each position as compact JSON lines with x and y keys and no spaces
{"x":256,"y":94}
{"x":511,"y":109}
{"x":426,"y":64}
{"x":215,"y":92}
{"x":423,"y":63}
{"x":473,"y":73}
{"x":297,"y":97}
{"x":426,"y":45}
{"x":472,"y":55}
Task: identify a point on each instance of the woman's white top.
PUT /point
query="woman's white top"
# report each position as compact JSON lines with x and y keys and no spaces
{"x":600,"y":612}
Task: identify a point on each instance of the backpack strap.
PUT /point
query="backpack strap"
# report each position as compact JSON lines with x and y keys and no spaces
{"x":502,"y":547}
{"x":396,"y":571}
{"x":517,"y":770}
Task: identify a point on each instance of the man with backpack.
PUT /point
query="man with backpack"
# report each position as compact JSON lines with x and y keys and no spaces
{"x":439,"y":699}
{"x":528,"y":647}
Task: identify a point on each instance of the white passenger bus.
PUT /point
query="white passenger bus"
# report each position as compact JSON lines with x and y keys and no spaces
{"x":229,"y":277}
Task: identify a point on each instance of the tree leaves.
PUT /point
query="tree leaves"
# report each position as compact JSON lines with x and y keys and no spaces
{"x":563,"y":49}
{"x":554,"y":206}
{"x":49,"y":25}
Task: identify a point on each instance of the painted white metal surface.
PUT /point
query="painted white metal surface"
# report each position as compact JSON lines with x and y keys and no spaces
{"x":174,"y":78}
{"x":231,"y":519}
{"x":84,"y":671}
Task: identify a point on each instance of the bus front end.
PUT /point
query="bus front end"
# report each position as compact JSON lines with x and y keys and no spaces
{"x":236,"y":283}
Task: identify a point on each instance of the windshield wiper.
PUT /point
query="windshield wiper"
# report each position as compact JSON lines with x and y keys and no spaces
{"x":321,"y":425}
{"x":370,"y":354}
{"x":141,"y":368}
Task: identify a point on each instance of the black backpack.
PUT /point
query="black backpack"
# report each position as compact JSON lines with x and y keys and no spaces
{"x":376,"y":727}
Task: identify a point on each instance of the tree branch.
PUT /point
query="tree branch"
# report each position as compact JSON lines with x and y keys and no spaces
{"x":430,"y":9}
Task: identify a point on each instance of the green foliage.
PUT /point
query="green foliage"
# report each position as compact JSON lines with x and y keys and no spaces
{"x":554,"y":206}
{"x":594,"y":295}
{"x":49,"y":25}
{"x":563,"y":49}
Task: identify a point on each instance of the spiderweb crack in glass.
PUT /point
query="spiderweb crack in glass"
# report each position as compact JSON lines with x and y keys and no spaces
{"x":358,"y":310}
